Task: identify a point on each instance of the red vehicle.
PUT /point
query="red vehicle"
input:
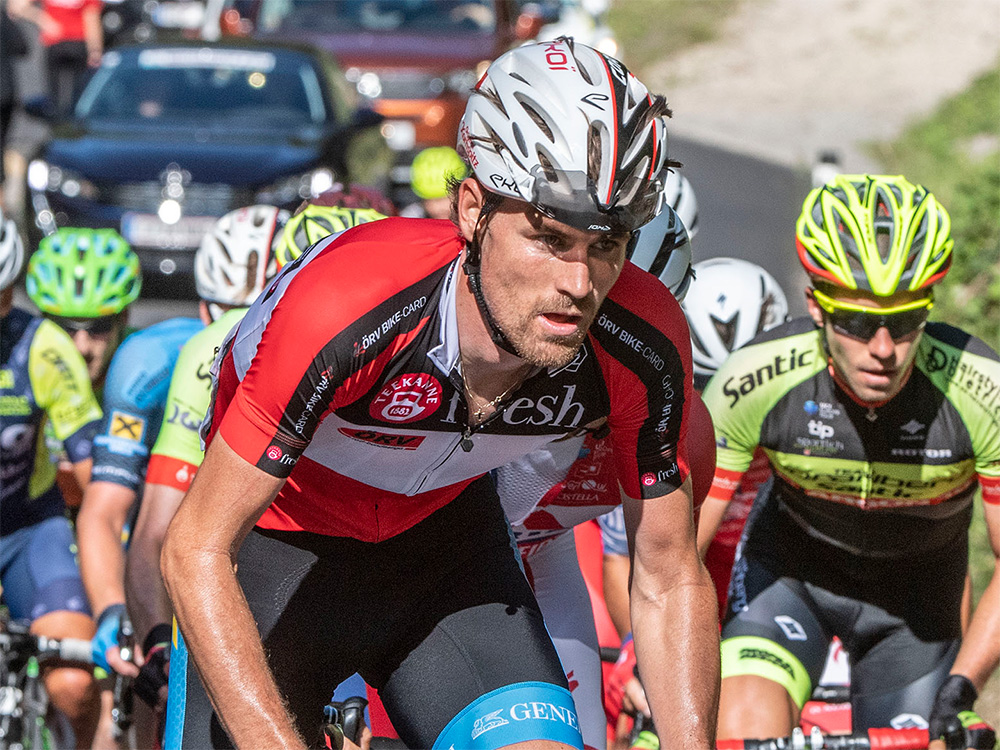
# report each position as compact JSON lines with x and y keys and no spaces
{"x":415,"y":61}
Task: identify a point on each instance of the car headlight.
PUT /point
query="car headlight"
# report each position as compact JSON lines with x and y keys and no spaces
{"x":297,"y":187}
{"x":46,"y":177}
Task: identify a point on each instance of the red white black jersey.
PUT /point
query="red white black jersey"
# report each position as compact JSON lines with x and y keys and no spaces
{"x":344,"y":377}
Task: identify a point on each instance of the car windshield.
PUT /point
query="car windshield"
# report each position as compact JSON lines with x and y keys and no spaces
{"x":351,"y":16}
{"x":210,"y":86}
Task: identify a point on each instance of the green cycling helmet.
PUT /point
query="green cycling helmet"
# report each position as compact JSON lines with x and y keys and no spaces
{"x":431,"y":170}
{"x":876,"y":233}
{"x":313,"y":223}
{"x":83,"y":273}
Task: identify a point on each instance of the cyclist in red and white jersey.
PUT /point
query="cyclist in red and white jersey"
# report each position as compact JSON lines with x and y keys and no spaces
{"x":551,"y":490}
{"x":364,"y":397}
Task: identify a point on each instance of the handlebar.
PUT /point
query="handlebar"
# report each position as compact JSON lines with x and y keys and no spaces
{"x":873,"y":739}
{"x":18,"y":639}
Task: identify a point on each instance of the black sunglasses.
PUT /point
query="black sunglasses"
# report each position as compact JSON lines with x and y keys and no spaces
{"x":864,"y":326}
{"x":93,"y":326}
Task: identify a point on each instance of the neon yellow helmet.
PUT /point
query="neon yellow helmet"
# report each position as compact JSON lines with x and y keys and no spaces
{"x":313,"y":223}
{"x":431,"y":170}
{"x":875,"y":233}
{"x":83,"y":273}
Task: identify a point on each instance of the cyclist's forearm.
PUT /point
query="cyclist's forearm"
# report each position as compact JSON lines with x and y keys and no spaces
{"x":980,"y":653}
{"x":198,"y":564}
{"x":148,"y":603}
{"x":223,"y":642}
{"x":677,"y":650}
{"x":712,"y":511}
{"x":102,"y":559}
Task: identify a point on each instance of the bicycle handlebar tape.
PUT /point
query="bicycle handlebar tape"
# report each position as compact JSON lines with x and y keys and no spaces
{"x":75,"y":649}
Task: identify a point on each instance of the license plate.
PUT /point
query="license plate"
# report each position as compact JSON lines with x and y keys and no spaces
{"x":179,"y":15}
{"x":148,"y":230}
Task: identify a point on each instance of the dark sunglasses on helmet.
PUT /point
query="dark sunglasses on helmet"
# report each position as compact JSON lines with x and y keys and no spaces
{"x":862,"y":323}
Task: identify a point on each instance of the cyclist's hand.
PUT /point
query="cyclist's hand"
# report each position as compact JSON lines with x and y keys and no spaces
{"x":635,"y":698}
{"x":104,"y":645}
{"x":623,"y":691}
{"x":953,"y":723}
{"x":118,"y":664}
{"x":365,"y":740}
{"x":151,"y":682}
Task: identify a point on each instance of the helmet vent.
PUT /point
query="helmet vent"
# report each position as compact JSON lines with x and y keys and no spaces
{"x":594,"y":152}
{"x":252,"y":260}
{"x":78,"y":287}
{"x":536,"y":118}
{"x":493,"y":98}
{"x":547,"y":168}
{"x":727,"y":330}
{"x":519,"y":139}
{"x":580,"y":67}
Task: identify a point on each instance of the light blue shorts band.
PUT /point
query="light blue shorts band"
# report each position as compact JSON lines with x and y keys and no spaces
{"x":515,"y":713}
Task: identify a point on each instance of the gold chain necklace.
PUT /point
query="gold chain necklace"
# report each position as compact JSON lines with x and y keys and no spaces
{"x":480,"y":414}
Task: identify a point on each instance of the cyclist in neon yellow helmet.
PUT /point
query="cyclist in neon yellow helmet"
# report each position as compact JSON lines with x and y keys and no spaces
{"x":84,"y":280}
{"x":880,"y":434}
{"x":430,"y":173}
{"x":876,"y":234}
{"x":312,"y":223}
{"x":873,"y":247}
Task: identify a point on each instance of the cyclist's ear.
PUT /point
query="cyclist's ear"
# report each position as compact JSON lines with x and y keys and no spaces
{"x":815,"y":311}
{"x":471,"y":199}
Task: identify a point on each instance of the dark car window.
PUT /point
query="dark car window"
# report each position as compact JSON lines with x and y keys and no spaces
{"x":183,"y":84}
{"x":349,"y":16}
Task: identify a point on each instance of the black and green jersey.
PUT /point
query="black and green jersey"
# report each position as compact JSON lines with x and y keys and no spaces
{"x":886,"y":482}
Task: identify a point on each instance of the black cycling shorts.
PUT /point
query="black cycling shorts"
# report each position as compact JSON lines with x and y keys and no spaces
{"x":434,"y":618}
{"x":901,"y":642}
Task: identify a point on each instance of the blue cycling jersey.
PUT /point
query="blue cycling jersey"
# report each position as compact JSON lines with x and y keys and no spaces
{"x":135,"y":393}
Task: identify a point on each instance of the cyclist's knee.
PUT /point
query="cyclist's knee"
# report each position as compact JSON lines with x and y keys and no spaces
{"x":751,"y":706}
{"x":73,"y":691}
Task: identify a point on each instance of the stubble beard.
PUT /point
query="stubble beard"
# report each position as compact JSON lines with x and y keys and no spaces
{"x":531,"y":345}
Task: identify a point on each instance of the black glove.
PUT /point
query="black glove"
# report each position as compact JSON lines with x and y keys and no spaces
{"x":953,"y":720}
{"x":153,"y":674}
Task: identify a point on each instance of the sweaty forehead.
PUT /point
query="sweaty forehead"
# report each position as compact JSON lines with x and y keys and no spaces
{"x":540,"y":221}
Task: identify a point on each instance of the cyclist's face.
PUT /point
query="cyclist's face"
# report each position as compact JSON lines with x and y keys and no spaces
{"x":96,"y":343}
{"x":544,"y":280}
{"x":877,"y":369}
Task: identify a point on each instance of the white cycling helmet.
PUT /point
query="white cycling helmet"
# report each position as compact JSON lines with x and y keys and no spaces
{"x":729,"y":302}
{"x":679,"y":195}
{"x":235,"y":260}
{"x":569,"y":130}
{"x":11,"y":252}
{"x":663,"y":248}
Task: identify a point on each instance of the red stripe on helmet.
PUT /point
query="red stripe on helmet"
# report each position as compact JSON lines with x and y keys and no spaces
{"x":614,"y":108}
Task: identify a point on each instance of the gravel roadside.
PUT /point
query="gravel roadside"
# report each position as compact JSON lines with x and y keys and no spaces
{"x":787,"y":79}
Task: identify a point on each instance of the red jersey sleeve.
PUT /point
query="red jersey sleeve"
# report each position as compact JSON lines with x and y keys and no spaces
{"x":643,"y":346}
